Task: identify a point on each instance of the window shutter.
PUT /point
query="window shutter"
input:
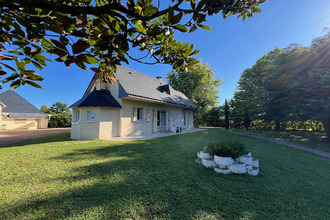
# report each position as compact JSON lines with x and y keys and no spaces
{"x":134,"y":116}
{"x":189,"y":120}
{"x":155,"y":121}
{"x":169,"y":120}
{"x":147,"y":114}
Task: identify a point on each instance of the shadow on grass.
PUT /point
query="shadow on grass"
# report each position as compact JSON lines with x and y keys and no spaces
{"x":156,"y":179}
{"x":61,"y":137}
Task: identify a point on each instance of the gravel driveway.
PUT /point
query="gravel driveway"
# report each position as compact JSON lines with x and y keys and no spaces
{"x":12,"y":136}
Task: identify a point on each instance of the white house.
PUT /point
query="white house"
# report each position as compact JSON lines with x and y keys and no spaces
{"x":136,"y":104}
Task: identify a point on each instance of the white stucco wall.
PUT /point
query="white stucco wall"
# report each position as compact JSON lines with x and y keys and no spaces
{"x":104,"y":126}
{"x":129,"y":127}
{"x":12,"y":123}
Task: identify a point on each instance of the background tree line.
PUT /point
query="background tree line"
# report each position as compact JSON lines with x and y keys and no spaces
{"x":60,"y":115}
{"x":285,"y":89}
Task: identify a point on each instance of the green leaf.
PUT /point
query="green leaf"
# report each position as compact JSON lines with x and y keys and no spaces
{"x":190,"y":49}
{"x":33,"y":84}
{"x":91,"y":60}
{"x":177,"y":18}
{"x":7,"y":66}
{"x":180,"y":27}
{"x":15,"y":52}
{"x":80,"y":46}
{"x":58,"y":44}
{"x":195,"y":52}
{"x":64,"y":40}
{"x":140,"y":28}
{"x":2,"y":73}
{"x":243,"y":16}
{"x":184,"y":46}
{"x":20,"y":65}
{"x":10,"y":78}
{"x":36,"y":64}
{"x":33,"y":76}
{"x":15,"y":84}
{"x":150,"y":10}
{"x":204,"y":27}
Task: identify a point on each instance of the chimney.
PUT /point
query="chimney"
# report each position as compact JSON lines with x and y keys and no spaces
{"x":159,"y":78}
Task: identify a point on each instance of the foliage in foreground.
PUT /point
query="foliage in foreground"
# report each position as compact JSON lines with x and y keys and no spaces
{"x":103,"y":32}
{"x":54,"y":177}
{"x":226,"y":148}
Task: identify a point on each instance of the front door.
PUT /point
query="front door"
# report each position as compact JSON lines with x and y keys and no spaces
{"x":161,"y":121}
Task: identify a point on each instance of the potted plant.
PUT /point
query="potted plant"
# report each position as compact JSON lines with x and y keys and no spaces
{"x":225,"y":151}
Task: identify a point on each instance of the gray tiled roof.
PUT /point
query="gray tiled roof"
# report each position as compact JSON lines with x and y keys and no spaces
{"x":100,"y":98}
{"x":18,"y":107}
{"x":136,"y":84}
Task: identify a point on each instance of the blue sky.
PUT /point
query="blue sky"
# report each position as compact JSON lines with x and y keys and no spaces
{"x":231,"y":47}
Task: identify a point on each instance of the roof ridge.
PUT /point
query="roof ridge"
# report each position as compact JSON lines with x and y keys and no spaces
{"x":23,"y":99}
{"x":142,"y":73}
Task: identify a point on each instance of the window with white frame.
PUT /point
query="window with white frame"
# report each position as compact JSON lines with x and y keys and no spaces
{"x":90,"y":116}
{"x":75,"y":116}
{"x":140,"y":114}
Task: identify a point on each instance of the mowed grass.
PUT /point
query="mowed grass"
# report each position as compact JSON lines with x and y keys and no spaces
{"x":315,"y":140}
{"x":54,"y":177}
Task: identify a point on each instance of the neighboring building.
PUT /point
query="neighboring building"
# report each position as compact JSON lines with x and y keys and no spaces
{"x":136,"y":104}
{"x":17,"y":113}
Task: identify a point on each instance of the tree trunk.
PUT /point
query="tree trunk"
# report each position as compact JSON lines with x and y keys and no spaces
{"x":277,"y":125}
{"x":326,"y":125}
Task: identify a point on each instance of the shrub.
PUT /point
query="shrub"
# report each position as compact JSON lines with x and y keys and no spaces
{"x":226,"y":148}
{"x":60,"y":120}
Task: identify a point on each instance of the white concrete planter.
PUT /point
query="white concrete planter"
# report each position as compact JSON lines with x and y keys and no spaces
{"x":208,"y":163}
{"x":255,"y":162}
{"x":245,"y":159}
{"x":237,"y":168}
{"x":223,"y":161}
{"x":203,"y":155}
{"x":253,"y":172}
{"x":222,"y":171}
{"x":248,"y":167}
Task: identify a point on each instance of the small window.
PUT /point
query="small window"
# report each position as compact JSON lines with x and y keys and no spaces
{"x":140,"y":114}
{"x":76,"y":116}
{"x":90,"y":116}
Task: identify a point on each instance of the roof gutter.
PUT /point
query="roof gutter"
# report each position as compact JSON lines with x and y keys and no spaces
{"x":161,"y":101}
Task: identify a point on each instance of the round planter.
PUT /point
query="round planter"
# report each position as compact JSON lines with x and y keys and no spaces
{"x":245,"y":159}
{"x":237,"y":168}
{"x":223,"y":161}
{"x":222,"y":171}
{"x":255,"y":162}
{"x":208,"y":163}
{"x":253,"y":172}
{"x":203,"y":155}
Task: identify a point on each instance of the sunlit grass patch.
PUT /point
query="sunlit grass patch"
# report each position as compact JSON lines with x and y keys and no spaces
{"x":55,"y":177}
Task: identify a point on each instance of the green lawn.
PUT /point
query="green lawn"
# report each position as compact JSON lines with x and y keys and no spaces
{"x":310,"y":139}
{"x":54,"y":177}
